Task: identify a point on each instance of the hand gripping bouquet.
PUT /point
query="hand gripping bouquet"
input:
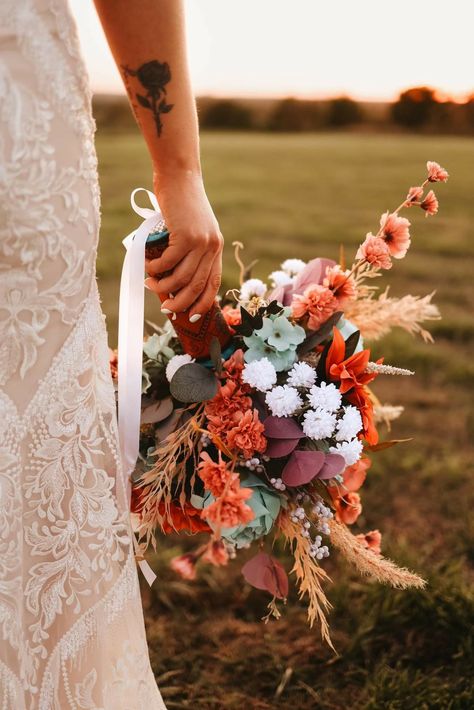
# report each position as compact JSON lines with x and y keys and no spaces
{"x":260,"y":425}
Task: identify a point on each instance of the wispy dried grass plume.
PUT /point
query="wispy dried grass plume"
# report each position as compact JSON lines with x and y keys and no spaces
{"x":386,"y":414}
{"x":309,"y":576}
{"x":369,"y":564}
{"x":375,"y":317}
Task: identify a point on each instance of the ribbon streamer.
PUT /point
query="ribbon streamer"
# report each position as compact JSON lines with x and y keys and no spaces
{"x":130,"y":349}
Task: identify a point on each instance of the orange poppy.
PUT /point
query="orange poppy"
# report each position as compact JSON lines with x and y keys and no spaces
{"x":350,"y":372}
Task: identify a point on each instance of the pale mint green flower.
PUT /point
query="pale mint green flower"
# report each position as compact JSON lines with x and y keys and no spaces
{"x":347,"y":328}
{"x":281,"y":334}
{"x":265,"y":502}
{"x":257,"y":348}
{"x":158,"y":345}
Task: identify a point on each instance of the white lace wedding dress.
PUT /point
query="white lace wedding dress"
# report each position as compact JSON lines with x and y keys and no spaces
{"x":71,"y":622}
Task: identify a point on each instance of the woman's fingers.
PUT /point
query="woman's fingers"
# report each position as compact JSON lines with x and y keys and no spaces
{"x":207,"y":298}
{"x":173,"y":254}
{"x":191,"y":292}
{"x":182,"y":274}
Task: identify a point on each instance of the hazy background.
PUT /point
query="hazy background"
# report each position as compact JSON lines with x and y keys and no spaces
{"x":298,"y":177}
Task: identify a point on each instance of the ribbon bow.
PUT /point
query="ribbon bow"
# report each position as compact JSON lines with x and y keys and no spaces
{"x":130,"y":349}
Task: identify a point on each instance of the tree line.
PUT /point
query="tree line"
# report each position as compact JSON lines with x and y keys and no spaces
{"x":416,"y":109}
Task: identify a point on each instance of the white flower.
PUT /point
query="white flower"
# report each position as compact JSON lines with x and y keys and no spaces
{"x":350,"y":450}
{"x":280,"y":278}
{"x":175,"y":363}
{"x":302,"y":375}
{"x":251,"y":288}
{"x":349,"y":425}
{"x":283,"y":401}
{"x":293,"y":266}
{"x":319,"y":423}
{"x":260,"y":374}
{"x":326,"y":396}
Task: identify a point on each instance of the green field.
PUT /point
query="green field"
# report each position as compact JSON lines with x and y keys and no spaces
{"x":303,"y":195}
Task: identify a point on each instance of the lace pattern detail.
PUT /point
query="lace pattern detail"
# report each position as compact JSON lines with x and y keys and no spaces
{"x":71,"y":620}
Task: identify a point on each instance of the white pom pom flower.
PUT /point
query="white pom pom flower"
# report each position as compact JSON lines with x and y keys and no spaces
{"x":349,"y":425}
{"x":260,"y":374}
{"x":252,"y":288}
{"x":326,"y":396}
{"x":319,"y":423}
{"x":302,"y":375}
{"x":350,"y":450}
{"x":283,"y":401}
{"x":280,"y":278}
{"x":293,"y":266}
{"x":175,"y":363}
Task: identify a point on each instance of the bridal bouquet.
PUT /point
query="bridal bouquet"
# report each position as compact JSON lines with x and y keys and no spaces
{"x":269,"y":434}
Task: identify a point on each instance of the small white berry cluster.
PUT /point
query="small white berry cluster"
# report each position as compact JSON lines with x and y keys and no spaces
{"x":324,"y":514}
{"x":278,"y":484}
{"x":205,"y":440}
{"x":317,"y":550}
{"x":253,"y":464}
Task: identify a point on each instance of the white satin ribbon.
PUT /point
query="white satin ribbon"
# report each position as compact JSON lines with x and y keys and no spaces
{"x":130,"y":347}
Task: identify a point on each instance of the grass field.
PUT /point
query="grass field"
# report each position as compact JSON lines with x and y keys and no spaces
{"x":303,"y":195}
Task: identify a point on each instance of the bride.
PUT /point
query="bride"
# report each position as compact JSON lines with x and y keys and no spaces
{"x":71,"y":622}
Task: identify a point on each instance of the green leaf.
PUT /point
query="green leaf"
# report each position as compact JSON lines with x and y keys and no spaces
{"x":215,"y":352}
{"x":193,"y":383}
{"x":143,"y":101}
{"x":351,"y":344}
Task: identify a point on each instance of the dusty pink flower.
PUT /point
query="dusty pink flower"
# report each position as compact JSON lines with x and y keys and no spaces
{"x":341,"y":283}
{"x":394,"y":230}
{"x":371,"y":541}
{"x":348,"y":508}
{"x":216,"y":553}
{"x":317,"y":302}
{"x":185,"y":566}
{"x":430,"y":203}
{"x":375,"y":251}
{"x":415,"y":194}
{"x":435,"y":172}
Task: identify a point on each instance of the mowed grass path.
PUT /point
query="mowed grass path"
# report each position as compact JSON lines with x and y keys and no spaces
{"x":303,"y":195}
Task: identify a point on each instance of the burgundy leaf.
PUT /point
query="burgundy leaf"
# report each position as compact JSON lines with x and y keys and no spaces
{"x":265,"y":572}
{"x":334,"y":464}
{"x":313,"y":273}
{"x":282,"y":428}
{"x":302,"y":467}
{"x":276,"y":448}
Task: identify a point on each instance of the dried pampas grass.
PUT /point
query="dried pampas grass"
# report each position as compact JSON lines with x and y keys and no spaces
{"x":309,"y":576}
{"x":386,"y":413}
{"x":375,"y":317}
{"x":369,"y":564}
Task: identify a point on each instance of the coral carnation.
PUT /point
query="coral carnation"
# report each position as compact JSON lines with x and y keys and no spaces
{"x":435,"y":172}
{"x":213,"y":474}
{"x":216,"y":553}
{"x":247,"y":436}
{"x":231,"y":316}
{"x":185,"y":566}
{"x":371,"y":541}
{"x":317,"y":302}
{"x":341,"y":283}
{"x":375,"y":251}
{"x":227,"y":408}
{"x":231,"y":509}
{"x":394,"y":230}
{"x":348,"y":508}
{"x":414,"y":194}
{"x":430,"y":203}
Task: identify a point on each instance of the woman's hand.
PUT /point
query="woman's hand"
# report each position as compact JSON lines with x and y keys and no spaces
{"x":194,"y":253}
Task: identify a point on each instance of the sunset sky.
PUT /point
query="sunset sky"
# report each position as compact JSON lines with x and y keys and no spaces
{"x":369,"y":49}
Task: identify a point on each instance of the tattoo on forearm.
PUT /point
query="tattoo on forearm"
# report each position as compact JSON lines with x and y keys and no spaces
{"x":153,"y":76}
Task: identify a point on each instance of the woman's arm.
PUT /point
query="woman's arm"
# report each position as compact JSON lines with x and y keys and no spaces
{"x":147,"y":39}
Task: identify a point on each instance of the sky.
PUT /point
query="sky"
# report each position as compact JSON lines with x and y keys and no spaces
{"x":368,"y":49}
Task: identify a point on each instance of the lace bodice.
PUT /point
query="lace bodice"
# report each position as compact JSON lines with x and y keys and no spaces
{"x":70,"y":613}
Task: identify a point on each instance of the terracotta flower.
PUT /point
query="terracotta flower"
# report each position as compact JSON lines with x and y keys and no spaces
{"x":435,"y":172}
{"x":213,"y":474}
{"x":341,"y":283}
{"x":348,"y":508}
{"x":375,"y":251}
{"x":317,"y":302}
{"x":354,"y":476}
{"x":415,"y":194}
{"x":247,"y":436}
{"x":430,"y":203}
{"x":185,"y":566}
{"x":233,"y":367}
{"x":371,"y":541}
{"x":231,"y":509}
{"x":350,"y":372}
{"x":216,"y":553}
{"x":227,"y":408}
{"x":395,"y":232}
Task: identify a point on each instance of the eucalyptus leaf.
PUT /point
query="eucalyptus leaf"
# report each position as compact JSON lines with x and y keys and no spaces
{"x":193,"y":383}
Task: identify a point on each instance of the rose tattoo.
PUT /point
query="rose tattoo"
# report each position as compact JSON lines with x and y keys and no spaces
{"x":153,"y":76}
